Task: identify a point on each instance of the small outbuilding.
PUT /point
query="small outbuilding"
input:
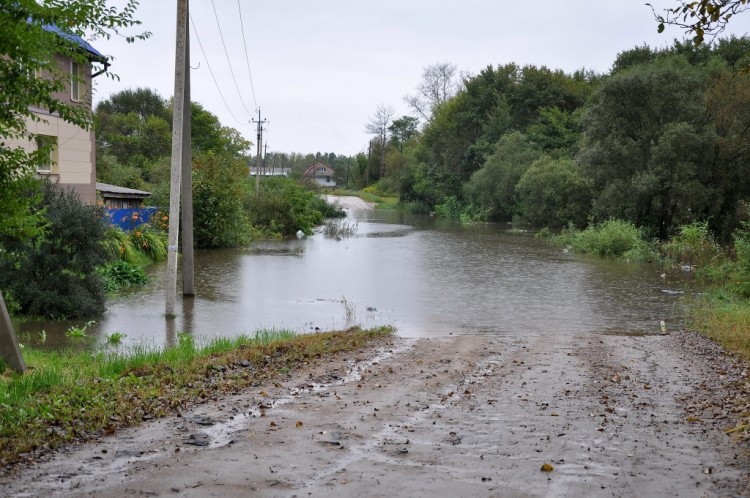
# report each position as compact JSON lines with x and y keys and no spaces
{"x":124,"y":206}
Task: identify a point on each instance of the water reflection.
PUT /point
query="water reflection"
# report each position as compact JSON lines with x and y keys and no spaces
{"x":427,"y":277}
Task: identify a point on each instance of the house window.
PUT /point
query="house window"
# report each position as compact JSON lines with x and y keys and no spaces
{"x":49,"y":157}
{"x":75,"y":81}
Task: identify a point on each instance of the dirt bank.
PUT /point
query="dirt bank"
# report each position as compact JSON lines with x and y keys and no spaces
{"x":460,"y":416}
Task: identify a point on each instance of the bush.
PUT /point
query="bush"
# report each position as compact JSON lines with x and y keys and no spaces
{"x":285,"y":206}
{"x":54,"y":274}
{"x":693,"y":246}
{"x":122,"y":274}
{"x":220,"y":187}
{"x":612,"y":238}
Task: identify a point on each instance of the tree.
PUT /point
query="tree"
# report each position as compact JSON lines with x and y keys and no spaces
{"x":553,"y":193}
{"x":439,"y":83}
{"x":54,"y":274}
{"x":27,"y":46}
{"x":493,"y":187}
{"x":402,"y":130}
{"x":651,"y":149}
{"x":378,"y":125}
{"x":702,"y":17}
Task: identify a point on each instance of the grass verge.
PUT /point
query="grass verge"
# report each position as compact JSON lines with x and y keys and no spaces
{"x":67,"y":397}
{"x":724,"y":319}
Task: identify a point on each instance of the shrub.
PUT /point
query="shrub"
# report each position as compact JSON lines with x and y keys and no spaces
{"x":612,"y":238}
{"x":122,"y":274}
{"x":53,"y":274}
{"x":220,"y":187}
{"x":693,"y":246}
{"x":285,"y":206}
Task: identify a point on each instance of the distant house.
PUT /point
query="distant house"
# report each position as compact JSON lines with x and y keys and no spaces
{"x":72,"y":161}
{"x":322,"y":174}
{"x":124,"y":206}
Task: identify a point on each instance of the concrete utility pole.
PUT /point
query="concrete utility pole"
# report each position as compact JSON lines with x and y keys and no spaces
{"x":176,"y":170}
{"x":260,"y":150}
{"x":265,"y":155}
{"x":188,"y":265}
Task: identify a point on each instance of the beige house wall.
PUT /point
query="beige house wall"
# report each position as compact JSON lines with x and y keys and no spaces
{"x":75,"y":157}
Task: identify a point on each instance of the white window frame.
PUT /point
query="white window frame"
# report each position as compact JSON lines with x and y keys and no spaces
{"x":50,"y":163}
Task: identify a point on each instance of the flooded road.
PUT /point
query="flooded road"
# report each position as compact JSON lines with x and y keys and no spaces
{"x":427,"y":277}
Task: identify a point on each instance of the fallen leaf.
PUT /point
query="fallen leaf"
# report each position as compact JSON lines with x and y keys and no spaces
{"x":546,"y":467}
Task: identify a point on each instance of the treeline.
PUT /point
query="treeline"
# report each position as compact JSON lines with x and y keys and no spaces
{"x":661,"y":141}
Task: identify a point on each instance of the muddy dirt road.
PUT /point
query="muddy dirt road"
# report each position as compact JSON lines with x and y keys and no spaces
{"x":461,"y":416}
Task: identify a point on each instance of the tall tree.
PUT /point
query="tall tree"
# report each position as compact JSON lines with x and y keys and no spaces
{"x":27,"y":47}
{"x":378,"y":126}
{"x":440,"y":82}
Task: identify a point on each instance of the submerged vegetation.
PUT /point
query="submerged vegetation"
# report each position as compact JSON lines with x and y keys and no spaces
{"x":66,"y":397}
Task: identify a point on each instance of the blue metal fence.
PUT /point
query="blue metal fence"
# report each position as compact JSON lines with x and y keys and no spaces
{"x":128,"y":219}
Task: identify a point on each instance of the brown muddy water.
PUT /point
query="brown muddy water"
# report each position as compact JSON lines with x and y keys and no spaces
{"x":427,"y":277}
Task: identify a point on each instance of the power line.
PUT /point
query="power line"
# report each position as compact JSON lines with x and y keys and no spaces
{"x":221,"y":35}
{"x":212,"y":73}
{"x":247,"y":58}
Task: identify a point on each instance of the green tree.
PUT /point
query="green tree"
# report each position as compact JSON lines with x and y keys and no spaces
{"x":664,"y":146}
{"x":28,"y":45}
{"x":553,"y":193}
{"x":220,"y":189}
{"x":493,"y":187}
{"x":53,"y":274}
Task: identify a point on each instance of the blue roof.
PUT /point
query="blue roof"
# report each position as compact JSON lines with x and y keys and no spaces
{"x":75,"y":39}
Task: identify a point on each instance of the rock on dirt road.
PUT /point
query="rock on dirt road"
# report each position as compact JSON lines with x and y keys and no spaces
{"x":459,"y":416}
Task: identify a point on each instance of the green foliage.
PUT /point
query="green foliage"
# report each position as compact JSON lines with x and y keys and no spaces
{"x":116,"y":337}
{"x":285,"y":206}
{"x":493,"y":187}
{"x":553,"y":193}
{"x":657,"y":149}
{"x":121,"y":274}
{"x":693,"y":246}
{"x":53,"y":275}
{"x":615,"y":238}
{"x":220,"y":189}
{"x":741,"y":277}
{"x":76,"y":331}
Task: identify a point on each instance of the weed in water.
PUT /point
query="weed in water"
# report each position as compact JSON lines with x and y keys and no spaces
{"x":350,"y":310}
{"x":338,"y":229}
{"x":116,"y":337}
{"x":74,"y":331}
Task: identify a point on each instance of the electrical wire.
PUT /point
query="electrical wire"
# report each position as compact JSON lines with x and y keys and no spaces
{"x":247,"y":58}
{"x":221,"y":35}
{"x":212,"y":73}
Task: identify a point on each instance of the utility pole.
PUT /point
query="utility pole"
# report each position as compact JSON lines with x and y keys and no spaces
{"x":265,"y":155}
{"x":367,"y":176}
{"x":176,"y":167}
{"x":188,"y":266}
{"x":260,"y":150}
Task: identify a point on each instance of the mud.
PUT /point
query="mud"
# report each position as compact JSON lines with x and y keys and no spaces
{"x":459,"y":416}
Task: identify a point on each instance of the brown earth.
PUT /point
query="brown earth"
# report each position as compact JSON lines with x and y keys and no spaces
{"x":458,"y":416}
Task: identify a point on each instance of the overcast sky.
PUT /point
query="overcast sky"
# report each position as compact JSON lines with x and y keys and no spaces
{"x":321,"y":67}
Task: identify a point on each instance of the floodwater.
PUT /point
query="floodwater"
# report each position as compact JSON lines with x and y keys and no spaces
{"x":426,"y":277}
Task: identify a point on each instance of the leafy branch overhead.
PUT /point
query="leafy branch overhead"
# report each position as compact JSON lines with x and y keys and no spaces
{"x":702,"y":18}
